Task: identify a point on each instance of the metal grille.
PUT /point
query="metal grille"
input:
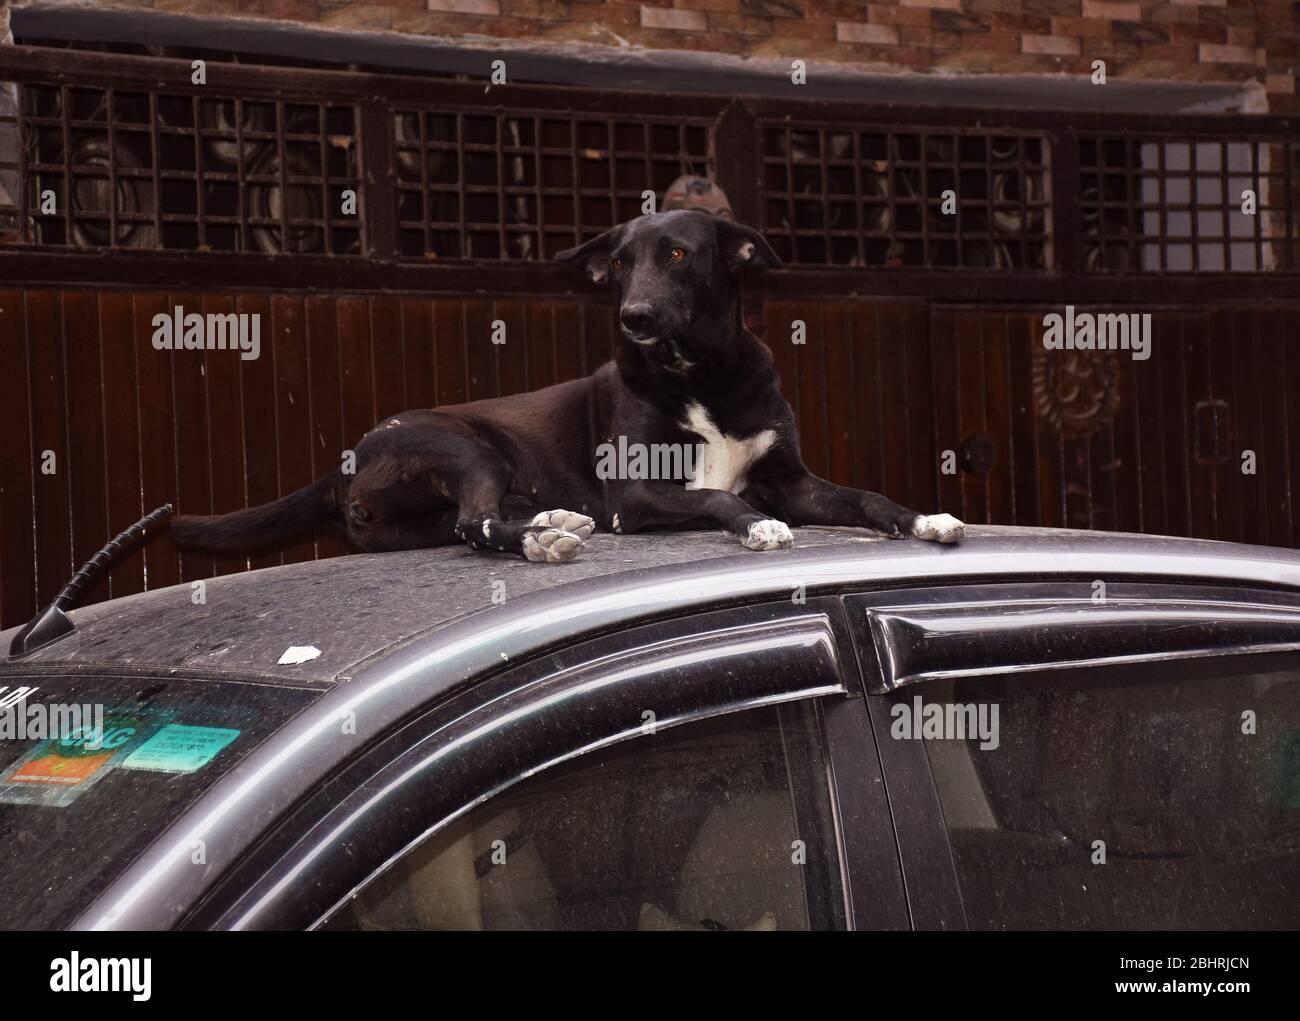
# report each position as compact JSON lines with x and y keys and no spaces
{"x":109,"y":168}
{"x":525,"y":186}
{"x":145,"y":160}
{"x":1181,"y":204}
{"x":863,"y":196}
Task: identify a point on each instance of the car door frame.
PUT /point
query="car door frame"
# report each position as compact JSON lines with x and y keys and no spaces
{"x":930,"y":876}
{"x":313,"y":856}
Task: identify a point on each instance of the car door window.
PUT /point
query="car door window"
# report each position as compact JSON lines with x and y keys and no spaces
{"x":721,"y":823}
{"x":1165,"y":795}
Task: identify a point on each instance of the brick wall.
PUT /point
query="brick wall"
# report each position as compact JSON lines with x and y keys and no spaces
{"x":1192,"y":40}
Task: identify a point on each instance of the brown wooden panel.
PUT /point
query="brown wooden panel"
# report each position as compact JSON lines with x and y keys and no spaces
{"x":1251,"y":489}
{"x":1177,"y":424}
{"x":1290,"y":370}
{"x":779,"y":315}
{"x":157,"y":442}
{"x":922,"y":455}
{"x":191,"y":426}
{"x":844,"y":404}
{"x":892,"y":424}
{"x":1203,"y":470}
{"x":947,"y":413}
{"x":1223,"y":349}
{"x":17,"y":464}
{"x":119,"y":344}
{"x":997,"y":418}
{"x":85,"y":464}
{"x":570,"y":323}
{"x":418,"y":352}
{"x":872,"y":431}
{"x":49,"y":414}
{"x":1023,"y":456}
{"x":480,"y":352}
{"x":226,"y":439}
{"x":599,"y":333}
{"x":969,"y":378}
{"x":292,"y":406}
{"x":325,"y":402}
{"x":1268,"y":358}
{"x":880,"y":389}
{"x":356,"y":390}
{"x":810,"y":368}
{"x":540,"y":316}
{"x":1145,"y":410}
{"x":1126,"y":492}
{"x":388,"y":359}
{"x":512,"y":356}
{"x":261,"y":432}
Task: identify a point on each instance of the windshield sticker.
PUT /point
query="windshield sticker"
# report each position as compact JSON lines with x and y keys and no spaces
{"x":178,"y":748}
{"x":58,"y":771}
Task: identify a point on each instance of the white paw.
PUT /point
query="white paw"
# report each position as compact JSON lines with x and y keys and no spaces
{"x":553,"y":546}
{"x":938,"y":528}
{"x":768,"y":534}
{"x":569,"y":521}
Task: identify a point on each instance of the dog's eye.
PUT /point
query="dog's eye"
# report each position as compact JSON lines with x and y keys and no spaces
{"x":677,"y":255}
{"x":616,"y":265}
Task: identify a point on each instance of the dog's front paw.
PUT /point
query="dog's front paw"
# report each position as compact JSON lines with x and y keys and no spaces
{"x":768,"y":534}
{"x":938,"y":528}
{"x":551,"y":546}
{"x":568,"y":521}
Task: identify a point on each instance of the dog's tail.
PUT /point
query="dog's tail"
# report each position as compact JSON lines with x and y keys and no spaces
{"x":289,"y":517}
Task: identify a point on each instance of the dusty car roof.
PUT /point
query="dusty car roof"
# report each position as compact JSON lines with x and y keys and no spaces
{"x":357,"y":607}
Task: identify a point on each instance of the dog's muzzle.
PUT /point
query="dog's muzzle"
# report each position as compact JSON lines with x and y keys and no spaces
{"x":639,"y":323}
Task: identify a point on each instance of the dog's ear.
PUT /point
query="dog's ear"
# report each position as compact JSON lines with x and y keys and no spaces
{"x":593,"y":256}
{"x":744,"y":246}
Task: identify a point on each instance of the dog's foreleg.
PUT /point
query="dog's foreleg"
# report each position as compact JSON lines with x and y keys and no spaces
{"x":808,"y":500}
{"x":645,"y":505}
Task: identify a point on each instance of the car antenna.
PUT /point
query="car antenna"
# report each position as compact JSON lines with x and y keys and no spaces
{"x":53,"y":622}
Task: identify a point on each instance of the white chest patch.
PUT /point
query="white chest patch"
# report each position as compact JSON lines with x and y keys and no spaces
{"x":723,"y":462}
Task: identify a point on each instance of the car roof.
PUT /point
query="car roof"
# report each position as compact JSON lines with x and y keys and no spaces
{"x":405,"y":630}
{"x":358,"y":608}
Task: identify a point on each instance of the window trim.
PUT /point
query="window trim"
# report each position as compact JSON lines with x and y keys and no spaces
{"x":929,"y":870}
{"x":915,"y":635}
{"x":281,"y":888}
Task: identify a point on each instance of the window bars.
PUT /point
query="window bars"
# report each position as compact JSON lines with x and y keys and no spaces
{"x":313,"y":163}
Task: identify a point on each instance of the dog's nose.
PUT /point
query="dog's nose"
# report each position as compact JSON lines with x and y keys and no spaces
{"x":638,"y":319}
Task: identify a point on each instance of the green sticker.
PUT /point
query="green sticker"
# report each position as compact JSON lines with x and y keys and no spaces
{"x":178,"y":748}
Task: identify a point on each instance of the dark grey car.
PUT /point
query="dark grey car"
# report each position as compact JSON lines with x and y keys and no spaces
{"x":1034,"y":729}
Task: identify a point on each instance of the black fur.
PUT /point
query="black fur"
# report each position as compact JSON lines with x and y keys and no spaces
{"x":479,"y":472}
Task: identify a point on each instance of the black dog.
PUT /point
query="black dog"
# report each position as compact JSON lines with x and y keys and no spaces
{"x":687,"y":373}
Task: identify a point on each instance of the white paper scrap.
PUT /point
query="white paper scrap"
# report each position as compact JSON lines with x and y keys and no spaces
{"x":298,"y":654}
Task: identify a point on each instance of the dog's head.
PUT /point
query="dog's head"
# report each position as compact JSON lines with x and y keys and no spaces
{"x":673,"y":272}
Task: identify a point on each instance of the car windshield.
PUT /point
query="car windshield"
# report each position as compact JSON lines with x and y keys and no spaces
{"x":92,"y":769}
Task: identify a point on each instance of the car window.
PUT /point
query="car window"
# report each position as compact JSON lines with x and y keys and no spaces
{"x":716,"y":824}
{"x":1159,"y":796}
{"x":93,"y":769}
